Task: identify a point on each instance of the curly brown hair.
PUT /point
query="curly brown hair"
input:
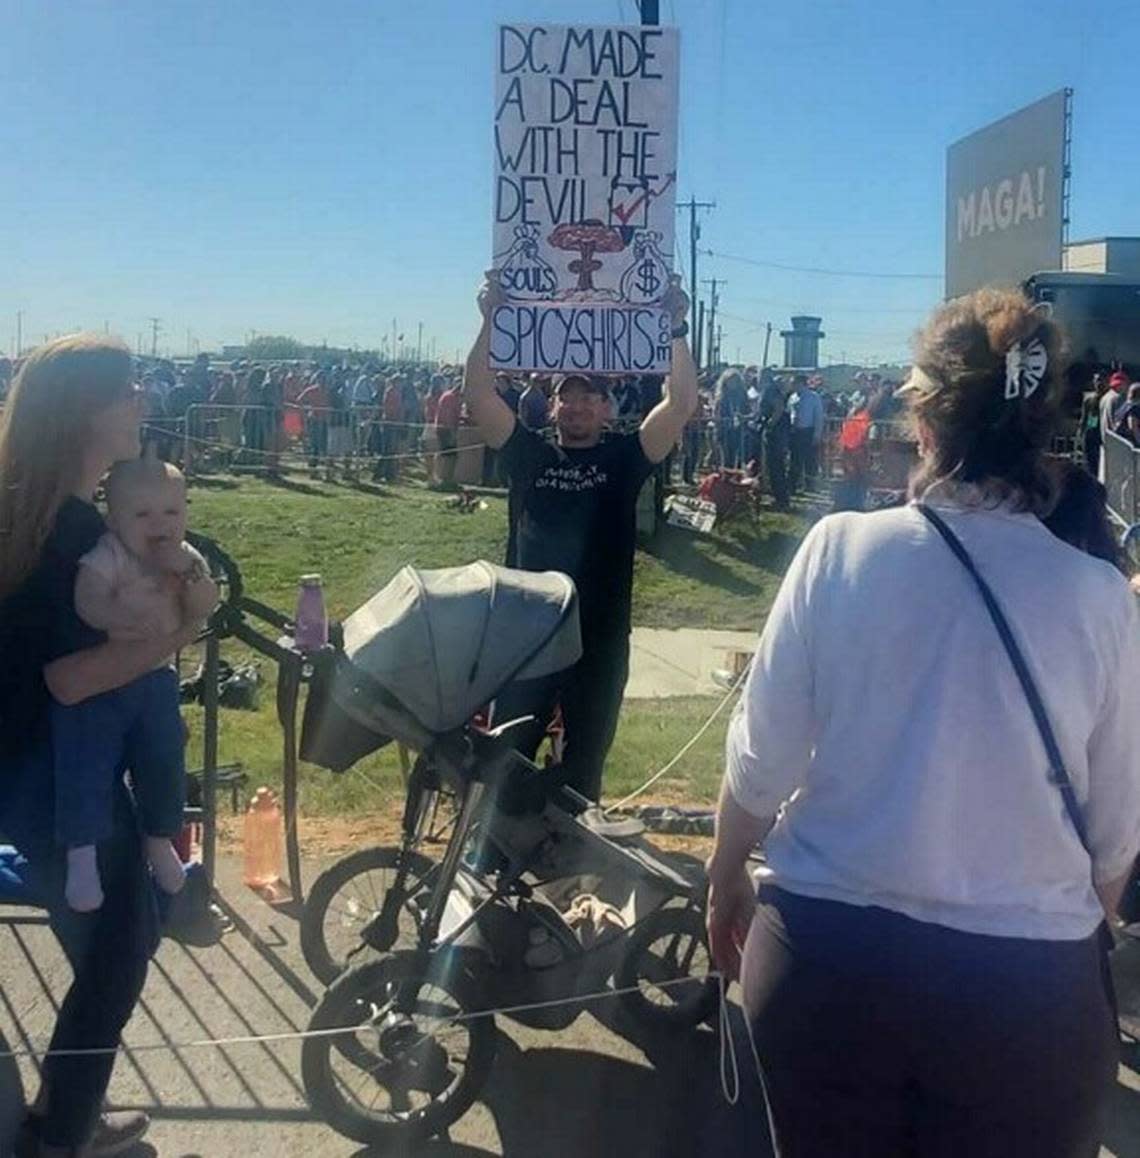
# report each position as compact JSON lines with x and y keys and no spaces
{"x":975,"y":435}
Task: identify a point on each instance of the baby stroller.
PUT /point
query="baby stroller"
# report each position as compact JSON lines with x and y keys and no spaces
{"x":538,"y":899}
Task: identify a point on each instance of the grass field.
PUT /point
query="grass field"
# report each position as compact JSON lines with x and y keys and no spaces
{"x":358,"y":537}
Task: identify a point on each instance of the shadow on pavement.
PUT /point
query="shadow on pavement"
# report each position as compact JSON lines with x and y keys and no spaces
{"x":647,"y":1095}
{"x":566,"y":1103}
{"x":266,"y":951}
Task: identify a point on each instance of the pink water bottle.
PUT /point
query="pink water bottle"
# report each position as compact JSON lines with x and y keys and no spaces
{"x":312,"y":623}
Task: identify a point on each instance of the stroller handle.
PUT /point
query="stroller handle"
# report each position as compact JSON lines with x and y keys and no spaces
{"x":225,"y":571}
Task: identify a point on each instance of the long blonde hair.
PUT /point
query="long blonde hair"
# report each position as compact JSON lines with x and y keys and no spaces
{"x":43,"y":433}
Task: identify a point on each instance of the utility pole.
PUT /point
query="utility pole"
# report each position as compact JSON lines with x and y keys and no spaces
{"x":419,"y":342}
{"x":719,"y":335}
{"x":692,"y":205}
{"x":767,"y":340}
{"x":697,"y":336}
{"x":394,"y":339}
{"x":155,"y":326}
{"x":714,"y":300}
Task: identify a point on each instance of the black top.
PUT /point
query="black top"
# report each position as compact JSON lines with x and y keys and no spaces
{"x":575,"y":510}
{"x":38,"y":623}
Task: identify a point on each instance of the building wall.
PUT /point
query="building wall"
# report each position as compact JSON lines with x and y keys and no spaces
{"x":1086,"y":257}
{"x":1106,"y":255}
{"x":1124,"y":256}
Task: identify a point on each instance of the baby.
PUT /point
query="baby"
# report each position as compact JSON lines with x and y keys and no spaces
{"x":136,"y":583}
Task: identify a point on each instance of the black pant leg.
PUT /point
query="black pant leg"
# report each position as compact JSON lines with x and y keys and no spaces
{"x":109,"y":951}
{"x":811,"y":459}
{"x":776,"y":456}
{"x":591,"y":705}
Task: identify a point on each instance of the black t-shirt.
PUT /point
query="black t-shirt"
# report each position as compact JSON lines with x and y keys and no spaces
{"x":39,"y":623}
{"x":575,"y":510}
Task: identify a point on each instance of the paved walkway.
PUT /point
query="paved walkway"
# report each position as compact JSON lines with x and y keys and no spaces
{"x":586,"y":1089}
{"x":680,"y":662}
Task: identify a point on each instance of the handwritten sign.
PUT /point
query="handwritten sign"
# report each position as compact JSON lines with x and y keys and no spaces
{"x":691,"y":513}
{"x":585,"y":176}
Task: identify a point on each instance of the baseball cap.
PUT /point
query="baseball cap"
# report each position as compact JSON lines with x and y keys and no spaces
{"x":587,"y":381}
{"x":1119,"y":380}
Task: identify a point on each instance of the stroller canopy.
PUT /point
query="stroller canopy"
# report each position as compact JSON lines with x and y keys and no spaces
{"x":444,"y":643}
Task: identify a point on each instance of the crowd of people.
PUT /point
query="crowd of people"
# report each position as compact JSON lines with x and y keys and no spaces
{"x":1111,"y":405}
{"x":864,"y":721}
{"x":349,"y":416}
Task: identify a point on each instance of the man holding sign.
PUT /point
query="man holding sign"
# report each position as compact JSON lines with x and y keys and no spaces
{"x":573,"y":509}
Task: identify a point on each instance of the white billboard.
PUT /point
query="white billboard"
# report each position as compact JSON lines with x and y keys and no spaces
{"x":585,"y":177}
{"x":1005,"y":189}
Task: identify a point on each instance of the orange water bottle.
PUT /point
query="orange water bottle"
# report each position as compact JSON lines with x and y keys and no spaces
{"x":263,"y":841}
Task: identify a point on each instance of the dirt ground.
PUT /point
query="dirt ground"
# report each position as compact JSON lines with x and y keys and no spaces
{"x":330,"y":836}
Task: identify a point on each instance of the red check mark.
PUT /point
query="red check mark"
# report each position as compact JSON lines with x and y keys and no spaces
{"x":625,"y":214}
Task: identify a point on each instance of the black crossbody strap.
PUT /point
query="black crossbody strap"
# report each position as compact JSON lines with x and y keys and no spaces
{"x":1059,"y":774}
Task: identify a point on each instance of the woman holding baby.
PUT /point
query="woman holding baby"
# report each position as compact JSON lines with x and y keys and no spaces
{"x":90,"y":614}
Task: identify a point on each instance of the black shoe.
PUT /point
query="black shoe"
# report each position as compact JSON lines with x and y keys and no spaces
{"x":115,"y":1133}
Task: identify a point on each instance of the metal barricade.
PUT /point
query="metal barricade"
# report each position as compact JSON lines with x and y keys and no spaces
{"x":293,"y":438}
{"x":891,"y":454}
{"x":1121,"y":474}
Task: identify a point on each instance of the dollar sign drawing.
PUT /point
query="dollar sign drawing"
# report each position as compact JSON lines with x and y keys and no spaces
{"x":647,"y":280}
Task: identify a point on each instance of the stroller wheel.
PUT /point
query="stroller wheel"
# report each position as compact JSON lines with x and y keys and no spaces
{"x":669,"y":946}
{"x":394,"y":1077}
{"x":346,"y":897}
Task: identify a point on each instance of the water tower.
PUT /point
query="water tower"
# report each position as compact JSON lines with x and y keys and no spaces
{"x":801,"y":343}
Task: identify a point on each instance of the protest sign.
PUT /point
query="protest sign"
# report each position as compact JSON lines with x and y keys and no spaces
{"x":691,"y":513}
{"x":585,"y":175}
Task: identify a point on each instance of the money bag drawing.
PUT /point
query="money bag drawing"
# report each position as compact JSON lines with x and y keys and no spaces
{"x":523,"y":271}
{"x":645,"y":279}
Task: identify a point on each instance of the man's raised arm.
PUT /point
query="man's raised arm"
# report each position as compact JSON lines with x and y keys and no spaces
{"x":665,"y":423}
{"x":494,"y":418}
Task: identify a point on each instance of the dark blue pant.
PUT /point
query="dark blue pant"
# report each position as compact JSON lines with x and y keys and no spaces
{"x":138,"y":726}
{"x":882,"y":1035}
{"x":109,"y":949}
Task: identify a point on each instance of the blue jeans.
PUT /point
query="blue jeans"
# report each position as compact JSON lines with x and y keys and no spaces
{"x":108,"y":949}
{"x":138,"y":726}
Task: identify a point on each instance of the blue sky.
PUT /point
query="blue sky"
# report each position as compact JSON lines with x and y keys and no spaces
{"x":319,"y":169}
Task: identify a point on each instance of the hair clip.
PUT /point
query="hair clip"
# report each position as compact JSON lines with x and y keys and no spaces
{"x":1025,"y":366}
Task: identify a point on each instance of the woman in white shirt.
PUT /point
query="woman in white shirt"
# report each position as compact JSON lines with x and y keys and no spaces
{"x":923,"y":970}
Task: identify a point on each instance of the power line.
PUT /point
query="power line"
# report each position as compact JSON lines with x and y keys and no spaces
{"x":789,"y":306}
{"x":822,"y":272}
{"x":884,"y":335}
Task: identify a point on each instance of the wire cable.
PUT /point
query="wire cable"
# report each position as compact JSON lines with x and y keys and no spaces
{"x":820,"y":271}
{"x":737,"y":685}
